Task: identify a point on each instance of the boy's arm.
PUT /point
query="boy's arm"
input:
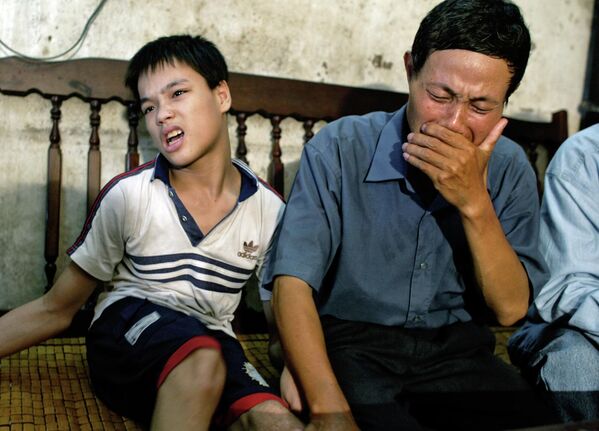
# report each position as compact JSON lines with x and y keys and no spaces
{"x":306,"y":356}
{"x":48,"y":315}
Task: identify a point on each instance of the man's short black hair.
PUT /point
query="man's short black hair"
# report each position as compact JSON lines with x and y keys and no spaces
{"x":195,"y":51}
{"x":492,"y":27}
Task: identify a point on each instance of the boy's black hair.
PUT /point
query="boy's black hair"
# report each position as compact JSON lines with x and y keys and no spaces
{"x":198,"y":53}
{"x":492,"y":27}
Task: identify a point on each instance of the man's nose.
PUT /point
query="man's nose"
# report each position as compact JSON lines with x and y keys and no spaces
{"x":455,"y":117}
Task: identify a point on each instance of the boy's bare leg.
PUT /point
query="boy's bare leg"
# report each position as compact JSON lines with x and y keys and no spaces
{"x":267,"y":416}
{"x":188,"y":397}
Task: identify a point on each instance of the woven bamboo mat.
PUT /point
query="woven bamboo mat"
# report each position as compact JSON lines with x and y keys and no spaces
{"x":502,"y":336}
{"x":47,"y":387}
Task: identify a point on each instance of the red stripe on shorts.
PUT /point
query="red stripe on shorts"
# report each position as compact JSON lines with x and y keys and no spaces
{"x":200,"y":342}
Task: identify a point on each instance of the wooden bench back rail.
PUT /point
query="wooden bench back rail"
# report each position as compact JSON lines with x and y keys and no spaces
{"x":98,"y":81}
{"x":531,"y":135}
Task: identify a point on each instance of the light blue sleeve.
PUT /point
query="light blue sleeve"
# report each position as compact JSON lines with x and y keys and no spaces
{"x":570,"y":235}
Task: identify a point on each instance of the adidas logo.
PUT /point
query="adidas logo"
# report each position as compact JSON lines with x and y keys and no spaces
{"x":248,"y":249}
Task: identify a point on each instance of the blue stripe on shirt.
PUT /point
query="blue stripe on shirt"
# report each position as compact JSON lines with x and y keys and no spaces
{"x":152,"y":260}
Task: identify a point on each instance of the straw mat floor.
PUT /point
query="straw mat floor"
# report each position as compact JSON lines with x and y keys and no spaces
{"x":46,"y":387}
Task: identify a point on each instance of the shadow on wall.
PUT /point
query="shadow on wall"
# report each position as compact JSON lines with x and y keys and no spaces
{"x":22,"y":235}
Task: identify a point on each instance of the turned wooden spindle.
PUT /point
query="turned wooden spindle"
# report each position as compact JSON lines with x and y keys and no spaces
{"x":241,"y":150}
{"x":276,"y":169}
{"x":54,"y":184}
{"x":132,"y":157}
{"x":93,"y":156}
{"x":308,"y":130}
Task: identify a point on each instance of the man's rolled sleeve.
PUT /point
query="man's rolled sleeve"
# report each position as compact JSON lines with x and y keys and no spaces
{"x":570,"y":231}
{"x":310,"y":231}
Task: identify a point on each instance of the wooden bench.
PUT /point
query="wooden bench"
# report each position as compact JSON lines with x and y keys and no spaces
{"x":46,"y":386}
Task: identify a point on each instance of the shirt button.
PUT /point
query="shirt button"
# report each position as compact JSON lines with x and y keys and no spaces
{"x":183,"y":218}
{"x":170,"y":193}
{"x":423,"y":265}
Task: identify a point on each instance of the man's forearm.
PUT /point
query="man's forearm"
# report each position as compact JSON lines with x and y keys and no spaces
{"x":458,"y":169}
{"x":304,"y":346}
{"x":498,"y":270}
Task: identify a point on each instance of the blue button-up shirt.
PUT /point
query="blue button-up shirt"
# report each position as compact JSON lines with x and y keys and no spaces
{"x":359,"y":234}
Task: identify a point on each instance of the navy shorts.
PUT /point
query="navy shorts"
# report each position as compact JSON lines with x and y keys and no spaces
{"x":134,"y":345}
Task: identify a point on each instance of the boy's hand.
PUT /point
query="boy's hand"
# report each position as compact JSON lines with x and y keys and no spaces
{"x":456,"y":166}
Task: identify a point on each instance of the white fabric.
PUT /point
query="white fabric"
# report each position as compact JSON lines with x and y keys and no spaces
{"x":136,"y":240}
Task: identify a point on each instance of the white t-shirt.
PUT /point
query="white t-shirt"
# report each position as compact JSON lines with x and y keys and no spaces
{"x":142,"y":241}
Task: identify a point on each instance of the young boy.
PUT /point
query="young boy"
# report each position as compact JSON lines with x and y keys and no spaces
{"x":176,"y":239}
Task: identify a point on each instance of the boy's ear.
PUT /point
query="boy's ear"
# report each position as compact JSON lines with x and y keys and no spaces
{"x":223,"y":94}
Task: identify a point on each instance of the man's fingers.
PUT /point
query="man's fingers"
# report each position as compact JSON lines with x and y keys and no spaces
{"x":432,"y":143}
{"x":421,"y":150}
{"x":442,"y":134}
{"x":489,"y":143}
{"x":415,"y":157}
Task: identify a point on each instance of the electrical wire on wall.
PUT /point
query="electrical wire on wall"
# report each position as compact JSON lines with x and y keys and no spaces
{"x":73,"y":48}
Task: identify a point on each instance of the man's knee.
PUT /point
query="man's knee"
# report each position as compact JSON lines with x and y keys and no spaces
{"x":570,"y":364}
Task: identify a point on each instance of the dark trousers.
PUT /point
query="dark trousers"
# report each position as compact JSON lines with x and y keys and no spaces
{"x":418,"y":379}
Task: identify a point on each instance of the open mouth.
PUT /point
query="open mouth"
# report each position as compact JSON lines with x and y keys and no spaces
{"x":173,"y":136}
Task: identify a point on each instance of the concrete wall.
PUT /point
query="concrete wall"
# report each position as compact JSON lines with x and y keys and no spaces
{"x":351,"y":42}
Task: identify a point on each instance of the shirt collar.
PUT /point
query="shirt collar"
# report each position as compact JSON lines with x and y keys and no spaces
{"x":388,"y":162}
{"x":249,"y":181}
{"x":161,"y":168}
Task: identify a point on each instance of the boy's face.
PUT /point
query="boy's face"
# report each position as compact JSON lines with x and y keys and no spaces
{"x":461,"y":90}
{"x":184,"y":116}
